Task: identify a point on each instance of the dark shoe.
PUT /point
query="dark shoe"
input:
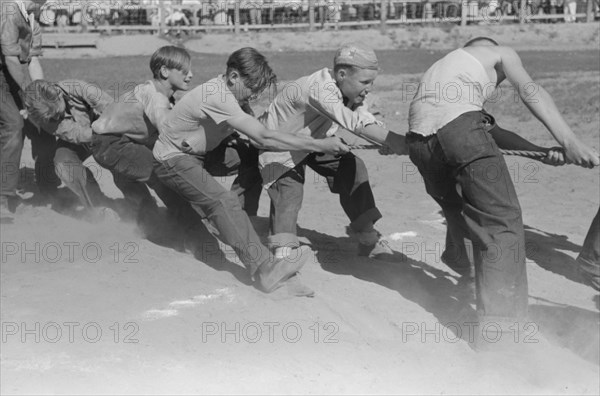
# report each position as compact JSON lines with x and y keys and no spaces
{"x":463,"y":268}
{"x":273,"y":274}
{"x":371,"y":244}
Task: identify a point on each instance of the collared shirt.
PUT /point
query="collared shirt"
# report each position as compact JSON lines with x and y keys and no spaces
{"x":136,"y":114}
{"x":84,"y":104}
{"x":198,"y":122}
{"x":20,"y":36}
{"x":314,"y":106}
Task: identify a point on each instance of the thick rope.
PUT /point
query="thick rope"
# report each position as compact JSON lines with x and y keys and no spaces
{"x":521,"y":153}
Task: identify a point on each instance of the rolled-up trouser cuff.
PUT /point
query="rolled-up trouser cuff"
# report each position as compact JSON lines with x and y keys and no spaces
{"x":284,"y":239}
{"x":364,"y":220}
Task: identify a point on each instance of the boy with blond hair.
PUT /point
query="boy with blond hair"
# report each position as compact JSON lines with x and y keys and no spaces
{"x":197,"y":125}
{"x":124,"y":135}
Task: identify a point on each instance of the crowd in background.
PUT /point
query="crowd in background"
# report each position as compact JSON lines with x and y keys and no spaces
{"x":270,"y":12}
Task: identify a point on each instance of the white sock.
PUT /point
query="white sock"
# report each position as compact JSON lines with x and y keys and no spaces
{"x":283,"y":252}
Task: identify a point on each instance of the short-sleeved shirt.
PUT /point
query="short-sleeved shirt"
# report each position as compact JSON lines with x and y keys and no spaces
{"x":84,"y":104}
{"x":198,"y":122}
{"x":314,"y":106}
{"x":19,"y":36}
{"x":136,"y":114}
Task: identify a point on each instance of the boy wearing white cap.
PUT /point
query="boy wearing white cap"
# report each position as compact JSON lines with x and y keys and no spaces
{"x":317,"y":105}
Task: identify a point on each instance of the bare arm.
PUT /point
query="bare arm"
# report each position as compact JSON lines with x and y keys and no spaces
{"x":278,"y":141}
{"x":17,"y":71}
{"x":35,"y":69}
{"x":541,"y":105}
{"x":511,"y":141}
{"x":394,"y":141}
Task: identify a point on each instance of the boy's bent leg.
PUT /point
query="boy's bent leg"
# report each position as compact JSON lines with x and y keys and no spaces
{"x":492,"y":213}
{"x":131,"y":165}
{"x":248,"y":184}
{"x":286,"y":200}
{"x":347,"y":176}
{"x":440,"y":183}
{"x":43,"y":149}
{"x":11,"y":140}
{"x":186,"y":175}
{"x":70,"y":170}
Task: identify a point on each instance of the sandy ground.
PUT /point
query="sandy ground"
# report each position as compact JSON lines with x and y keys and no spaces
{"x":93,"y":308}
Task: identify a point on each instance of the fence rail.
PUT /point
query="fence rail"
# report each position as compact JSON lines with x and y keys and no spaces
{"x":312,"y":14}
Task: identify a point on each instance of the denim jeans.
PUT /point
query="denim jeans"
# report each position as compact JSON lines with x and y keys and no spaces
{"x":132,"y":166}
{"x":189,"y":177}
{"x":464,"y":155}
{"x":12,"y":131}
{"x":589,"y":257}
{"x":346,"y":176}
{"x":238,"y":156}
{"x":68,"y":163}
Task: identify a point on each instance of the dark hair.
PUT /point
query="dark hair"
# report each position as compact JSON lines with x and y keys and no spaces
{"x":43,"y":101}
{"x":253,"y":68}
{"x":481,"y":38}
{"x":172,"y":58}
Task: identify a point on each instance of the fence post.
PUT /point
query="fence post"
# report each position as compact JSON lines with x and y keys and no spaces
{"x":383,"y":15}
{"x":464,"y":10}
{"x":523,"y":11}
{"x":311,"y":15}
{"x":236,"y":17}
{"x":161,"y":13}
{"x":590,"y":11}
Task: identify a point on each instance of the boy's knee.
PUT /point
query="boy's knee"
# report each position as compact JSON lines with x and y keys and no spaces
{"x":12,"y":137}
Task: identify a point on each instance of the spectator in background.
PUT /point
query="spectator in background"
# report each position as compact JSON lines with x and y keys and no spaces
{"x":256,"y":12}
{"x":62,"y":20}
{"x":570,"y":11}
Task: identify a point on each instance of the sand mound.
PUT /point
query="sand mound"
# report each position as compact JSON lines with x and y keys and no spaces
{"x":139,"y":44}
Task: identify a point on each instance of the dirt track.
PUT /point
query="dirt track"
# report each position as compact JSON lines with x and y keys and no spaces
{"x":174,"y":323}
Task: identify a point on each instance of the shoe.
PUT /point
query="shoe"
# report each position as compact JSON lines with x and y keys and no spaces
{"x":464,"y":269}
{"x":371,"y":244}
{"x":273,"y":274}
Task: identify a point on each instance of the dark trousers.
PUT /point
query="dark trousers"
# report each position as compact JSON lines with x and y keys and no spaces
{"x":589,"y":257}
{"x":68,"y":163}
{"x":238,"y":156}
{"x":12,"y":131}
{"x":464,"y":155}
{"x":132,"y":166}
{"x":193,"y":178}
{"x":346,"y":176}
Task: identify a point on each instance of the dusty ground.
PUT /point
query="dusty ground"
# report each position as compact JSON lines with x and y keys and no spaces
{"x":93,"y":308}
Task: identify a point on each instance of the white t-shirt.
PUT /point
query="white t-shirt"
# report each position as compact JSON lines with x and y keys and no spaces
{"x":198,"y":122}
